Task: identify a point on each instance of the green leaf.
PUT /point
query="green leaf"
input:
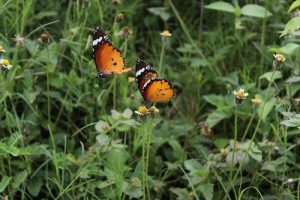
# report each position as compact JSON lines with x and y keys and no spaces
{"x":182,"y":193}
{"x":43,"y":14}
{"x":19,"y":179}
{"x":216,"y":100}
{"x":160,"y":11}
{"x":231,"y":78}
{"x":294,"y":79}
{"x":294,"y":5}
{"x":198,"y":62}
{"x":269,"y":166}
{"x":291,"y":26}
{"x":267,"y":109}
{"x":4,"y":183}
{"x":49,"y":55}
{"x":254,"y":10}
{"x":207,"y":190}
{"x":34,"y":186}
{"x":31,"y":95}
{"x":215,"y":117}
{"x":221,"y":6}
{"x":289,"y":49}
{"x":268,"y":75}
{"x":192,"y":165}
{"x":103,"y":139}
{"x":177,"y":149}
{"x":221,"y":142}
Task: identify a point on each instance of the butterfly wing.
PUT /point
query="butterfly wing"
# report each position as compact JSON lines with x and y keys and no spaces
{"x":108,"y":59}
{"x":143,"y":73}
{"x":158,"y":90}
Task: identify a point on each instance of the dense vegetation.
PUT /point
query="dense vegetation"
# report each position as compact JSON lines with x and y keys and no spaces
{"x":67,"y":135}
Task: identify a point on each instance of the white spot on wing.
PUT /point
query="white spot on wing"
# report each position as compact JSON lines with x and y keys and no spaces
{"x":95,"y":42}
{"x":138,"y":73}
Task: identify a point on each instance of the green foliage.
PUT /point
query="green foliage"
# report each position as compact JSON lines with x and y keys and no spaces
{"x":67,"y":135}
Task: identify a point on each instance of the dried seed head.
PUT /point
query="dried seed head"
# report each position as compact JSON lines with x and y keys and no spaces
{"x":119,"y":17}
{"x":125,"y":32}
{"x":116,"y":2}
{"x":205,"y":130}
{"x":86,"y":3}
{"x":45,"y":38}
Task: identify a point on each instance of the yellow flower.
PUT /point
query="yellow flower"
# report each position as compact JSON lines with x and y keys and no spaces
{"x":131,"y":79}
{"x":2,"y":49}
{"x":256,"y":101}
{"x":279,"y":57}
{"x":143,"y":110}
{"x":240,"y":94}
{"x":165,"y":34}
{"x":4,"y":64}
{"x":153,"y":110}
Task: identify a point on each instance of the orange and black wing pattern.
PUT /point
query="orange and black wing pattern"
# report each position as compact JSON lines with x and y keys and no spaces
{"x":152,"y":88}
{"x":108,"y":59}
{"x":143,"y":73}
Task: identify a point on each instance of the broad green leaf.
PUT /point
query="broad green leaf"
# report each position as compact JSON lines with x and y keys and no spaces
{"x":216,"y":100}
{"x":207,"y":189}
{"x":294,"y":79}
{"x":103,"y":139}
{"x":160,"y":11}
{"x":192,"y":165}
{"x":215,"y":117}
{"x":269,"y":166}
{"x":34,"y":186}
{"x":289,"y":49}
{"x":264,"y":110}
{"x":294,"y":5}
{"x":4,"y":183}
{"x":254,"y":10}
{"x":291,"y":26}
{"x":182,"y":194}
{"x":221,"y":6}
{"x":231,"y":78}
{"x":177,"y":149}
{"x":31,"y":95}
{"x":268,"y":75}
{"x":198,"y":62}
{"x":221,"y":142}
{"x":256,"y":156}
{"x":49,"y":56}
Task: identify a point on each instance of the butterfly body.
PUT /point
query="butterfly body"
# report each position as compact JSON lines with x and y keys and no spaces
{"x":108,"y":59}
{"x":152,"y":88}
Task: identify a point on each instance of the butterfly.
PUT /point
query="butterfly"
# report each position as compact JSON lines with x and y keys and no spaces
{"x":152,"y":88}
{"x":108,"y":59}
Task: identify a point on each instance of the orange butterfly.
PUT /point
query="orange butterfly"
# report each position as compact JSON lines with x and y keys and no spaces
{"x":152,"y":88}
{"x":108,"y":59}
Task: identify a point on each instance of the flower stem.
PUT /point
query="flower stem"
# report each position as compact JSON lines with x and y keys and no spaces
{"x":256,"y":128}
{"x":233,"y":150}
{"x":161,"y":58}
